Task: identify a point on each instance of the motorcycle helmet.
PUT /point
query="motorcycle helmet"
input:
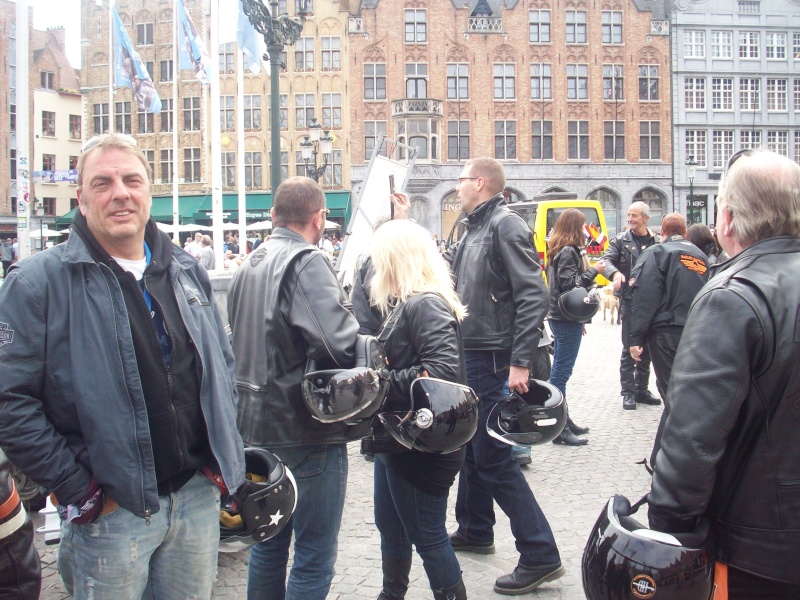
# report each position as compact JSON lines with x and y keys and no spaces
{"x":577,"y":305}
{"x":349,"y":395}
{"x":625,"y":560}
{"x":536,"y":417}
{"x":263,"y":513}
{"x":442,"y":417}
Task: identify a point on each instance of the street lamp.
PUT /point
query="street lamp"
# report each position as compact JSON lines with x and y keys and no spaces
{"x":310,"y":149}
{"x":278,"y":31}
{"x":691,"y":167}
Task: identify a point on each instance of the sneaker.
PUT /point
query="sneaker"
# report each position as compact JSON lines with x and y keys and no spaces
{"x":461,"y":544}
{"x":526,"y":579}
{"x":523,"y":459}
{"x":646,"y":397}
{"x":629,"y":402}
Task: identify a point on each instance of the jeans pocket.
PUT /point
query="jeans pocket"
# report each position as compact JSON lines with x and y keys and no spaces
{"x":501,"y":361}
{"x":312,"y":464}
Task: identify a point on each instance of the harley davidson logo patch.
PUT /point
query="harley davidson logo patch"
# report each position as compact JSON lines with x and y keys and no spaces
{"x":696,"y":265}
{"x":257,"y":256}
{"x":6,"y":334}
{"x":643,"y":586}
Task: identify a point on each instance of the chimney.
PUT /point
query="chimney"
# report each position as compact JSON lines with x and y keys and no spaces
{"x":60,"y":34}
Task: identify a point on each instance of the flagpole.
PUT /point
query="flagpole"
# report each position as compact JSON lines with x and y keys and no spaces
{"x":111,"y":7}
{"x":173,"y":165}
{"x":240,"y":179}
{"x":216,"y":146}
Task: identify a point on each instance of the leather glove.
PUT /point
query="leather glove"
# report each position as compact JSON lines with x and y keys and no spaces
{"x":87,"y":509}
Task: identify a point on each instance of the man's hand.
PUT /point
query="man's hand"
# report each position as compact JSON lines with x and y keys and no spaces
{"x":618,"y":279}
{"x":518,"y":379}
{"x":402,"y":205}
{"x":636,"y":352}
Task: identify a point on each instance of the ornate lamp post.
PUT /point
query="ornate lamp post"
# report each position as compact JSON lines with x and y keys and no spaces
{"x":310,"y":149}
{"x":691,"y":166}
{"x":278,"y":32}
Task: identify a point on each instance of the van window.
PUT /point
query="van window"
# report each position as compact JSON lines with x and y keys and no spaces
{"x":553,"y":213}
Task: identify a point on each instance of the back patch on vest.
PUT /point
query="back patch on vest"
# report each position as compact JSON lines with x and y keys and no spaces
{"x":694,"y":264}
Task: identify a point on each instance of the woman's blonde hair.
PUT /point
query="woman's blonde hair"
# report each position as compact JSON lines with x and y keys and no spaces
{"x":407,"y":262}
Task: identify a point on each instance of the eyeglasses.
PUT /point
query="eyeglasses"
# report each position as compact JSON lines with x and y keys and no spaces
{"x":463,"y":179}
{"x":125,"y":139}
{"x":734,"y":157}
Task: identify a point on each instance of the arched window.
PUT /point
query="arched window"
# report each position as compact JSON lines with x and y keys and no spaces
{"x":420,"y":212}
{"x":610,"y":202}
{"x":656,"y":201}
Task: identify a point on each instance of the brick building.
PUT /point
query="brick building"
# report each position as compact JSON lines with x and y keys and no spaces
{"x":572,"y":97}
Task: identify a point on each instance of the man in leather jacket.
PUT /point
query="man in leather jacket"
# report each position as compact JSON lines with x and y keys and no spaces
{"x":663,"y":283}
{"x":285,"y":307}
{"x":20,"y":570}
{"x":500,"y":281}
{"x":623,"y":251}
{"x":730,"y":449}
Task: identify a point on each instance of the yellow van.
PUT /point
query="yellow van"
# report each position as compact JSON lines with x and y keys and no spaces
{"x":541,"y":213}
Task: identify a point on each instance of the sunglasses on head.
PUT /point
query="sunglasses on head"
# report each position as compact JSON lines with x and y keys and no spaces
{"x":734,"y":157}
{"x":125,"y":139}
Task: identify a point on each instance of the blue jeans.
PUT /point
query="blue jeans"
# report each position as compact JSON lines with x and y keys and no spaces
{"x":321,"y":476}
{"x":567,"y":342}
{"x":491,"y":474}
{"x":405,"y":515}
{"x":119,"y":556}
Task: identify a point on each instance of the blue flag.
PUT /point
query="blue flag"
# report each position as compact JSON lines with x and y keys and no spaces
{"x":129,"y":70}
{"x":247,"y":40}
{"x":193,"y":53}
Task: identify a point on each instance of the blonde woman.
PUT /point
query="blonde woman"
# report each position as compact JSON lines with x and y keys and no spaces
{"x":413,"y":288}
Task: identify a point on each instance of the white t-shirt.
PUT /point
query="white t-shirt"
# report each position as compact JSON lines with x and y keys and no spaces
{"x":136,"y":267}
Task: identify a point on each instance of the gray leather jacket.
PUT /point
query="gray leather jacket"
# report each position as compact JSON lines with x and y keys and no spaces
{"x":71,"y":402}
{"x":500,"y":281}
{"x":730,"y":448}
{"x":285,"y":306}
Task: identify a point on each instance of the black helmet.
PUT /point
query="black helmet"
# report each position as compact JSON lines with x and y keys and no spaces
{"x":536,"y":417}
{"x":263,"y":513}
{"x":350,"y":395}
{"x":625,"y":560}
{"x":577,"y":305}
{"x":443,"y":416}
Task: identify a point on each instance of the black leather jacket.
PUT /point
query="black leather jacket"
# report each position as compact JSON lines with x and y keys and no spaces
{"x":286,"y":306}
{"x":565,"y":273}
{"x":500,"y":281}
{"x":664,"y":282}
{"x":730,"y":447}
{"x":621,"y":255}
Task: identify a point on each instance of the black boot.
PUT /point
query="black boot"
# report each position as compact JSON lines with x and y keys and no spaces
{"x":395,"y":578}
{"x":570,"y":439}
{"x":576,"y":429}
{"x":454,"y":592}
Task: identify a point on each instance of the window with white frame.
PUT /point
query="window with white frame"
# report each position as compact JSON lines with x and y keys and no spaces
{"x":100,"y":118}
{"x":228,"y":169}
{"x":504,"y":80}
{"x":332,"y":177}
{"x":749,"y":138}
{"x":252,"y":112}
{"x":253,"y":170}
{"x":777,"y":94}
{"x":48,"y":123}
{"x":227,"y":113}
{"x":146,"y":121}
{"x":372,"y":131}
{"x":191,"y":114}
{"x":541,"y":82}
{"x":505,"y":140}
{"x":416,"y":26}
{"x":304,"y":54}
{"x":331,"y":53}
{"x":166,"y":166}
{"x":539,"y":26}
{"x":797,"y":95}
{"x":303,"y":110}
{"x":613,"y":82}
{"x":122,"y":117}
{"x":648,"y":82}
{"x":191,"y":165}
{"x":796,"y":45}
{"x":416,"y":80}
{"x":577,"y":82}
{"x":578,"y":140}
{"x":749,"y":7}
{"x":721,"y":147}
{"x":650,"y":140}
{"x":458,"y":140}
{"x":797,"y":145}
{"x":457,"y":81}
{"x":778,"y":142}
{"x":614,"y":140}
{"x":150,"y":155}
{"x":748,"y":44}
{"x":721,"y":44}
{"x":542,"y":140}
{"x":749,"y":93}
{"x":694,"y":43}
{"x":696,"y":145}
{"x":227,"y":52}
{"x":374,"y":81}
{"x":612,"y":26}
{"x":775,"y":45}
{"x":576,"y":26}
{"x":144,"y":34}
{"x":332,"y":111}
{"x":722,"y":93}
{"x":166,"y":115}
{"x":695,"y":93}
{"x":165,"y":68}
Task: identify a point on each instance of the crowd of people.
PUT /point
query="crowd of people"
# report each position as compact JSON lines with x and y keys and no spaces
{"x":122,"y":393}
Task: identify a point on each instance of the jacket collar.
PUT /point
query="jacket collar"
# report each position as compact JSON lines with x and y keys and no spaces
{"x":483,"y":210}
{"x":784,"y":244}
{"x":673,"y":238}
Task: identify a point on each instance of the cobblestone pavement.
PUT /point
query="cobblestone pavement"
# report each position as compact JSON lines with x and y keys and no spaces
{"x":570,"y":484}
